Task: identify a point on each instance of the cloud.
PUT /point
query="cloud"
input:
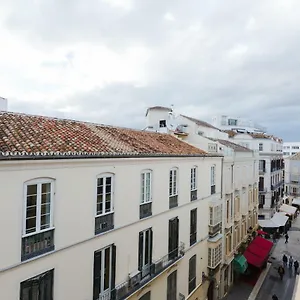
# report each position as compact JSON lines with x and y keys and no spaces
{"x":109,"y":60}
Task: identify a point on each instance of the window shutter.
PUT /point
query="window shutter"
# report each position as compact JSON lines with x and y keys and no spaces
{"x":140,"y":263}
{"x":97,"y":262}
{"x":177,"y":232}
{"x":113,"y":270}
{"x":151,"y":245}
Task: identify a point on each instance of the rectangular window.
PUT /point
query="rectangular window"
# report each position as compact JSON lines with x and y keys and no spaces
{"x":192,"y":273}
{"x":147,"y":296}
{"x":173,"y":192}
{"x":38,"y":231}
{"x":193,"y":226}
{"x":260,"y":147}
{"x":172,"y":286}
{"x":104,"y":273}
{"x":213,"y":180}
{"x":145,"y":251}
{"x":146,"y":195}
{"x":193,"y":183}
{"x":173,"y":238}
{"x":38,"y":288}
{"x":104,"y":195}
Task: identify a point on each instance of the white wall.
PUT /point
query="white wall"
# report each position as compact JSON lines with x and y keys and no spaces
{"x":290,"y":148}
{"x":3,"y":104}
{"x":74,"y":211}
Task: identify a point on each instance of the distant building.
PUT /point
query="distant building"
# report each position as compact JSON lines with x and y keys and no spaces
{"x":292,"y":175}
{"x":290,"y":148}
{"x":3,"y":104}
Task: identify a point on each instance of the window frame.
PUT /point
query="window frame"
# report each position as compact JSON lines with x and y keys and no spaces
{"x":194,"y":177}
{"x":193,"y":217}
{"x":173,"y":183}
{"x":213,"y":175}
{"x":38,"y":182}
{"x":143,"y":194}
{"x":105,"y":175}
{"x":260,"y":146}
{"x":192,"y":272}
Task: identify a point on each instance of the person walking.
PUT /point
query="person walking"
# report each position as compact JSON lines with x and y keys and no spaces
{"x":285,"y":260}
{"x":281,"y":272}
{"x":286,"y":238}
{"x":291,"y":260}
{"x":274,"y":297}
{"x":296,"y":266}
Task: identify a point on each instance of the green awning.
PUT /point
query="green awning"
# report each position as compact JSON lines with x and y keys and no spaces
{"x":240,"y":264}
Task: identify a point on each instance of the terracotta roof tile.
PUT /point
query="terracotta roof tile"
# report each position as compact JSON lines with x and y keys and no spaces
{"x":200,"y":123}
{"x":36,"y":134}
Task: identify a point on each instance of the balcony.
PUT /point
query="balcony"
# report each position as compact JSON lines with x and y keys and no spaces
{"x":173,"y":201}
{"x":137,"y":281}
{"x":263,"y":191}
{"x":104,"y":223}
{"x":262,"y":171}
{"x":145,"y":210}
{"x":194,"y":195}
{"x":214,"y":256}
{"x":213,"y":189}
{"x":277,"y":185}
{"x":37,"y":244}
{"x":214,"y":229}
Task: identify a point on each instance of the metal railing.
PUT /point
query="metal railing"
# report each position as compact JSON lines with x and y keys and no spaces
{"x":194,"y":195}
{"x":104,"y":223}
{"x":262,"y":190}
{"x":142,"y":277}
{"x":214,"y":229}
{"x":277,"y":185}
{"x":262,"y":171}
{"x":37,"y":244}
{"x":173,"y":201}
{"x":145,"y":210}
{"x":212,"y":189}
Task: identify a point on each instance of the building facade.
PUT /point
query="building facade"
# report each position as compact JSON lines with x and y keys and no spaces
{"x":98,"y":212}
{"x":292,"y":176}
{"x":239,"y":181}
{"x":3,"y":104}
{"x":290,"y":148}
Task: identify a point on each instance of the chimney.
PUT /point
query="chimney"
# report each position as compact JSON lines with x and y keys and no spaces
{"x":3,"y":104}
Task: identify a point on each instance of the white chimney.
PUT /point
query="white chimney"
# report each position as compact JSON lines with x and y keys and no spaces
{"x":3,"y":104}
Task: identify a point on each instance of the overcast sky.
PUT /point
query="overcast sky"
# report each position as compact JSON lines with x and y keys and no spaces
{"x":108,"y":60}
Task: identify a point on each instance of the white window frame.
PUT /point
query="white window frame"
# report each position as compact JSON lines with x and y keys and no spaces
{"x":102,"y":271}
{"x":194,"y":177}
{"x":143,"y":199}
{"x":173,"y":184}
{"x":213,"y":175}
{"x":105,"y":175}
{"x":38,"y":182}
{"x":260,"y":147}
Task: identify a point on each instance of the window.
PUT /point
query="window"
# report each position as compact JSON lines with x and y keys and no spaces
{"x":193,"y":226}
{"x":214,"y":256}
{"x":38,"y":231}
{"x":194,"y":183}
{"x":228,"y":243}
{"x":173,"y":192}
{"x":147,"y":296}
{"x":104,"y":272}
{"x":38,"y":288}
{"x":173,"y":238}
{"x":162,"y":123}
{"x":145,"y":251}
{"x":260,"y":147}
{"x":192,"y":273}
{"x":232,"y":122}
{"x":213,"y":179}
{"x":146,"y":194}
{"x":172,"y":286}
{"x":104,"y":219}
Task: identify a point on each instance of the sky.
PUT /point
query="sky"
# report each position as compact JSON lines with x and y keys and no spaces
{"x":106,"y":61}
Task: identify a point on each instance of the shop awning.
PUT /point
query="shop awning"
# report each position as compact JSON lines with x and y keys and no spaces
{"x":288,"y":209}
{"x":267,"y":224}
{"x":240,"y":264}
{"x":258,"y":251}
{"x":279,"y":219}
{"x":296,"y":201}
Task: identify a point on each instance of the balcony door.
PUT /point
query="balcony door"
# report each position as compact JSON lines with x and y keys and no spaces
{"x":145,"y":251}
{"x":173,"y":238}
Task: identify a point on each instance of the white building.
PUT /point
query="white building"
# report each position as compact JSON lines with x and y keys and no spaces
{"x":238,"y":124}
{"x":239,"y":180}
{"x":292,"y":176}
{"x":96,"y":212}
{"x":290,"y":148}
{"x":3,"y":104}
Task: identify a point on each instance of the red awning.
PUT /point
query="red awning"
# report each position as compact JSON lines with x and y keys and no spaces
{"x":258,"y":251}
{"x":261,"y":232}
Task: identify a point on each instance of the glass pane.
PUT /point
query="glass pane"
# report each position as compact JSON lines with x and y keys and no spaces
{"x":46,"y":198}
{"x":107,"y":205}
{"x":108,"y":188}
{"x":30,"y":225}
{"x":45,"y":209}
{"x":31,"y":200}
{"x":32,"y":189}
{"x":45,"y":221}
{"x":31,"y":212}
{"x":99,"y":204}
{"x":107,"y":269}
{"x":147,"y":245}
{"x":100,"y":190}
{"x":100,"y":181}
{"x":108,"y":180}
{"x":46,"y":188}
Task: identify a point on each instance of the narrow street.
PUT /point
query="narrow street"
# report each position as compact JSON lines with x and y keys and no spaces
{"x":272,"y":284}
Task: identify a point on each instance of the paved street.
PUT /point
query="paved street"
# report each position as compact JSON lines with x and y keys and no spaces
{"x":272,"y":284}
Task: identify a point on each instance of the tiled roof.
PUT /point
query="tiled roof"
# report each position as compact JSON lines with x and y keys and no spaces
{"x":233,"y":146}
{"x":30,"y":136}
{"x":200,"y":123}
{"x":295,"y":156}
{"x":232,"y":133}
{"x":158,"y":108}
